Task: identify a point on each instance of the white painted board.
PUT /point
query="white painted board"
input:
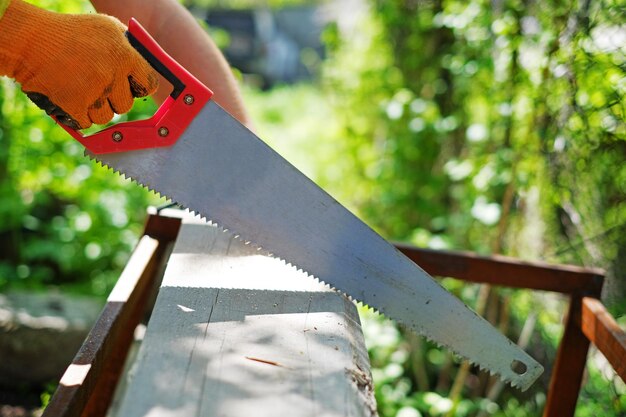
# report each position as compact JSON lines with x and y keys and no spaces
{"x":235,"y":333}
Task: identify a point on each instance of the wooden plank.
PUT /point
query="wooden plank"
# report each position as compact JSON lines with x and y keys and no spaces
{"x":508,"y":272}
{"x":88,"y":384}
{"x":603,"y":331}
{"x":234,"y":333}
{"x":567,"y":372}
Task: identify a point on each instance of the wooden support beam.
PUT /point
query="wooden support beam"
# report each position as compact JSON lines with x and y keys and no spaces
{"x":567,"y":372}
{"x":508,"y":272}
{"x":603,"y":331}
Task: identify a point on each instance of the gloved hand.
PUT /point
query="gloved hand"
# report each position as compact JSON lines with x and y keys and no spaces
{"x":79,"y":68}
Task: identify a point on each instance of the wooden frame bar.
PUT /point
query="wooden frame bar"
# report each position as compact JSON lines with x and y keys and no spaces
{"x":601,"y":328}
{"x":506,"y":271}
{"x":88,"y":385}
{"x":569,"y":367}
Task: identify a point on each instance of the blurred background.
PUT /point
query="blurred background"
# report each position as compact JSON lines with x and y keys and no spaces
{"x":490,"y":126}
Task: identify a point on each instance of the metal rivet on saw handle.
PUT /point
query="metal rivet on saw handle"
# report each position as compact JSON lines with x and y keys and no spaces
{"x":188,"y":99}
{"x":164,"y":131}
{"x":117,"y":136}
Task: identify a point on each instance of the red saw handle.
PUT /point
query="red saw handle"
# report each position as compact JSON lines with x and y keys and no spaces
{"x":170,"y":120}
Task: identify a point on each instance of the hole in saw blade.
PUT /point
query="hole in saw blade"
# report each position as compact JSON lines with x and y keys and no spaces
{"x":518,"y":367}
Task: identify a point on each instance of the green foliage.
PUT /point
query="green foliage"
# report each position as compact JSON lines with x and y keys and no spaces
{"x":467,"y":108}
{"x":299,"y":123}
{"x":489,"y":126}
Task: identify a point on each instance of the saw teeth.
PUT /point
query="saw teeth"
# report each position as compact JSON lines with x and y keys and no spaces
{"x":289,"y":264}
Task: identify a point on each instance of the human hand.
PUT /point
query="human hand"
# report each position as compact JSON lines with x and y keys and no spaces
{"x":79,"y":68}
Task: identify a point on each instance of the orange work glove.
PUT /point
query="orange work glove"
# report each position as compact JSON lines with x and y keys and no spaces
{"x":80,"y":68}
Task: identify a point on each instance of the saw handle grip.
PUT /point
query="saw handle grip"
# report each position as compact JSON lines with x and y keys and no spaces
{"x":164,"y":128}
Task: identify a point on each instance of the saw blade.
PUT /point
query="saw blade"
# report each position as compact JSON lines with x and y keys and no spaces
{"x":222,"y":171}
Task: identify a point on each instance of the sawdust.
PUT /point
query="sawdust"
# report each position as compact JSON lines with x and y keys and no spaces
{"x":363,"y":381}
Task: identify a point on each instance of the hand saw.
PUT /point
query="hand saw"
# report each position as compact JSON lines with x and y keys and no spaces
{"x":194,"y":153}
